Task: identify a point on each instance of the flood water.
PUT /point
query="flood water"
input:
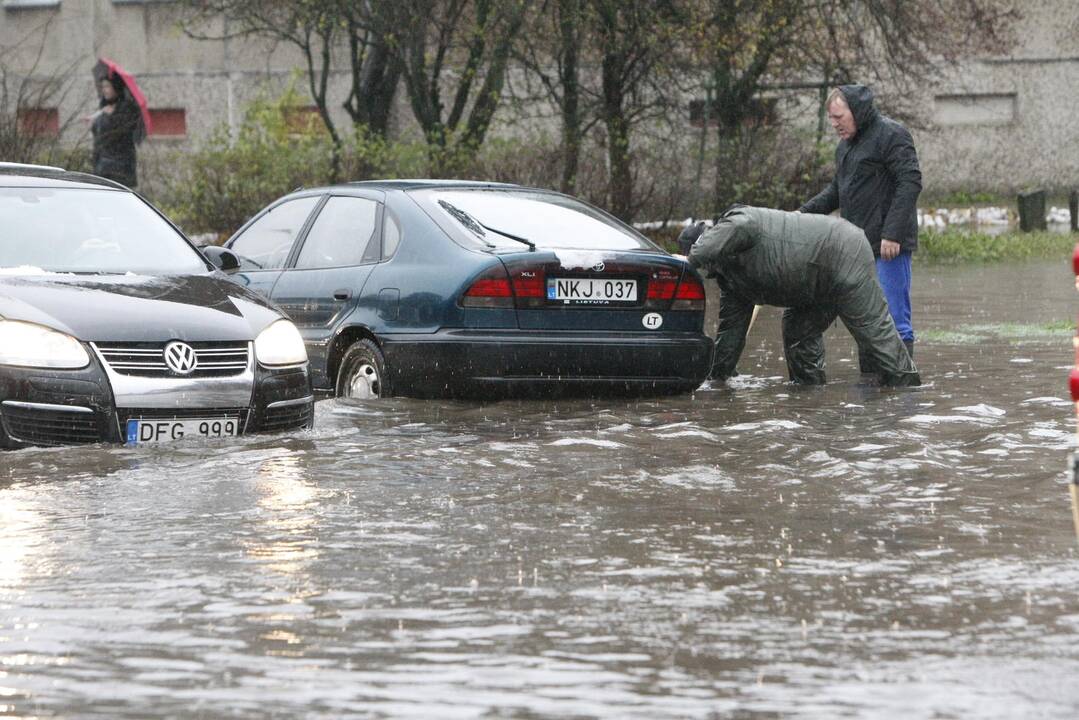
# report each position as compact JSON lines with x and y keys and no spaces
{"x":746,"y":551}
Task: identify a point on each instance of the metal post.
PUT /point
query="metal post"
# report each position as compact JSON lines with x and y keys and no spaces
{"x":1032,"y":211}
{"x":1073,"y":209}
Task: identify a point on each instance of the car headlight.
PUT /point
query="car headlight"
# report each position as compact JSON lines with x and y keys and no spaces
{"x":280,"y":344}
{"x":28,"y":345}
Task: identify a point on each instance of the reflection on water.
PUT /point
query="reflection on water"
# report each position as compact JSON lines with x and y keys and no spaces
{"x":20,"y":533}
{"x":286,"y":541}
{"x":750,"y":550}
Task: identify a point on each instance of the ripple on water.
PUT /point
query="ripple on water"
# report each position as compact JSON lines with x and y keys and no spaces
{"x":749,"y":549}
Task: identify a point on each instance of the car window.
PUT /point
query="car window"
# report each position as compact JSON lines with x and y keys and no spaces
{"x":391,"y":236}
{"x":80,"y":230}
{"x":341,"y":234}
{"x":266,"y":243}
{"x":549,"y":220}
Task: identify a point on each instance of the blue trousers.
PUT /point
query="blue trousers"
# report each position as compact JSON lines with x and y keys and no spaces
{"x":894,"y":276}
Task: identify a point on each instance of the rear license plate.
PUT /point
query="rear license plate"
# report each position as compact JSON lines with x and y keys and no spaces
{"x":591,"y":290}
{"x":148,"y":431}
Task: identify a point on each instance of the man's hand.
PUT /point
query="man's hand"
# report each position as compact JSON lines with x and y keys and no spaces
{"x":889,"y":249}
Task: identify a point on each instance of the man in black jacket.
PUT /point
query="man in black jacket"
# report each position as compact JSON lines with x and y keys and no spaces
{"x":876,"y":187}
{"x":817,"y":268}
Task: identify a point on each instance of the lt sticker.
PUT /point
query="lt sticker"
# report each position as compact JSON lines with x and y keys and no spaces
{"x":652,"y":321}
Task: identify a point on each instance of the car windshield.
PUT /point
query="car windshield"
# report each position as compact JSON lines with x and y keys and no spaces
{"x":549,"y":220}
{"x":77,"y":230}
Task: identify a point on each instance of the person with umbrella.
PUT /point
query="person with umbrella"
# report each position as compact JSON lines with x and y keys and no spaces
{"x":119,"y":125}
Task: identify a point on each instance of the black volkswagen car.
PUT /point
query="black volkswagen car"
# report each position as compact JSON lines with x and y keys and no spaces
{"x":115,"y":328}
{"x":436,"y":288}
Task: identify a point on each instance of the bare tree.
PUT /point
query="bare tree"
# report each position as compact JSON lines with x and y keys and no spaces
{"x":551,"y":50}
{"x":463,"y":46}
{"x":321,"y":30}
{"x":748,"y":46}
{"x":632,"y":41}
{"x":376,"y":70}
{"x":27,"y":95}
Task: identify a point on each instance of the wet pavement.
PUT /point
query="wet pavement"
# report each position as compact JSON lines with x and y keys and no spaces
{"x":751,"y":551}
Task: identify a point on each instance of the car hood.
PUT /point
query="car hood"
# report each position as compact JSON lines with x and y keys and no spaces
{"x":137,"y":308}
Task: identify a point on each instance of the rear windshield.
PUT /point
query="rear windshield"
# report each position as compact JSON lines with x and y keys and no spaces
{"x":550,"y":221}
{"x":77,"y":230}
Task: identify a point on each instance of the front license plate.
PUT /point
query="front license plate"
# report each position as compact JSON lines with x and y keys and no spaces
{"x":148,"y":431}
{"x":591,"y":290}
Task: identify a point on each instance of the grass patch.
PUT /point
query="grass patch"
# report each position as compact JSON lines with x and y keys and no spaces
{"x":956,"y":246}
{"x":1013,"y":333}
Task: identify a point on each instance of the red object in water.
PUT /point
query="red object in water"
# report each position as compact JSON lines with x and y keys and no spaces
{"x":1073,"y":383}
{"x":108,"y":68}
{"x":1075,"y":260}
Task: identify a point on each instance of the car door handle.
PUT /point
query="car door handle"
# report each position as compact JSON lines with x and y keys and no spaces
{"x":342,"y":294}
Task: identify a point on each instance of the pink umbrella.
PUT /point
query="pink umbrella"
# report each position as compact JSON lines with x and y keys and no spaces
{"x":107,"y":68}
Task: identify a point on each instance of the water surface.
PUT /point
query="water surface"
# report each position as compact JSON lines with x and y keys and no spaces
{"x":755,"y":550}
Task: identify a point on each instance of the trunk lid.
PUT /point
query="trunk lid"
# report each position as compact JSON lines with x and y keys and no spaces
{"x":602,"y":291}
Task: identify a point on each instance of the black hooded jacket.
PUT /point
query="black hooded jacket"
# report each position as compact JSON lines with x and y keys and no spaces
{"x":877,"y":179}
{"x":115,"y":135}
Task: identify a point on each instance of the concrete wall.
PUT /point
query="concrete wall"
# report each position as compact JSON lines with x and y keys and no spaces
{"x":212,"y":80}
{"x":976,"y":144}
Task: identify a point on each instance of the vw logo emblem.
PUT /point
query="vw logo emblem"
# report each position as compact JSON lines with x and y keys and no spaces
{"x":180,"y":358}
{"x":598,"y":267}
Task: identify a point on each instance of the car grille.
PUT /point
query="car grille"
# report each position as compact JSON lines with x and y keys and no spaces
{"x":38,"y":426}
{"x":289,"y":417}
{"x":215,"y":359}
{"x":125,"y":414}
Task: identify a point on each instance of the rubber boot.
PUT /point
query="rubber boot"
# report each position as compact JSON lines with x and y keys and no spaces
{"x":865,"y":363}
{"x":910,"y":348}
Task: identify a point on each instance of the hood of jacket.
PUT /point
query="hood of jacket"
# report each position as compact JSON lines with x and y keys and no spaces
{"x":860,"y":101}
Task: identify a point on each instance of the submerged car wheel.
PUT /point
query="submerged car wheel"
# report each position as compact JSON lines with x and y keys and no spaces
{"x":363,"y":372}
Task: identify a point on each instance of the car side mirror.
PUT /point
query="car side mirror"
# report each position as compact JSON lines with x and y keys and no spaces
{"x":222,"y":258}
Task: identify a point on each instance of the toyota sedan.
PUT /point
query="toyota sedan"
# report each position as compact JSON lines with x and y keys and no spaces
{"x":114,"y":328}
{"x":434,"y":288}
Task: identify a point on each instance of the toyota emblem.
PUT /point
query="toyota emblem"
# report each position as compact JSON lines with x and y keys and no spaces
{"x":181,"y":358}
{"x":598,"y":267}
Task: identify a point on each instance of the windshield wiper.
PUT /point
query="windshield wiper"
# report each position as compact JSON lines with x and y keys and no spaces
{"x":477,"y":227}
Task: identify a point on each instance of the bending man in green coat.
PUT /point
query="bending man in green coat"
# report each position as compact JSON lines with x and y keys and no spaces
{"x":818,"y":268}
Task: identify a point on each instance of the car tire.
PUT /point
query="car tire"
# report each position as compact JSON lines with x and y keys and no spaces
{"x":363,"y":372}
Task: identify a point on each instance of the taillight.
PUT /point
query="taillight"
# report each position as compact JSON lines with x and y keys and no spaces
{"x":521,"y":287}
{"x":529,"y":286}
{"x":661,"y":287}
{"x":490,"y":290}
{"x":690,"y":294}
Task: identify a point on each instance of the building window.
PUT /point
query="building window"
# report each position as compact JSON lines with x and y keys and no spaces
{"x":303,"y":120}
{"x":760,"y":111}
{"x":168,"y":122}
{"x":976,"y":109}
{"x":39,"y":122}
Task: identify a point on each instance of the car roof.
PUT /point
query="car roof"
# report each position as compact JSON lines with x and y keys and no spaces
{"x":417,"y":184}
{"x":23,"y":175}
